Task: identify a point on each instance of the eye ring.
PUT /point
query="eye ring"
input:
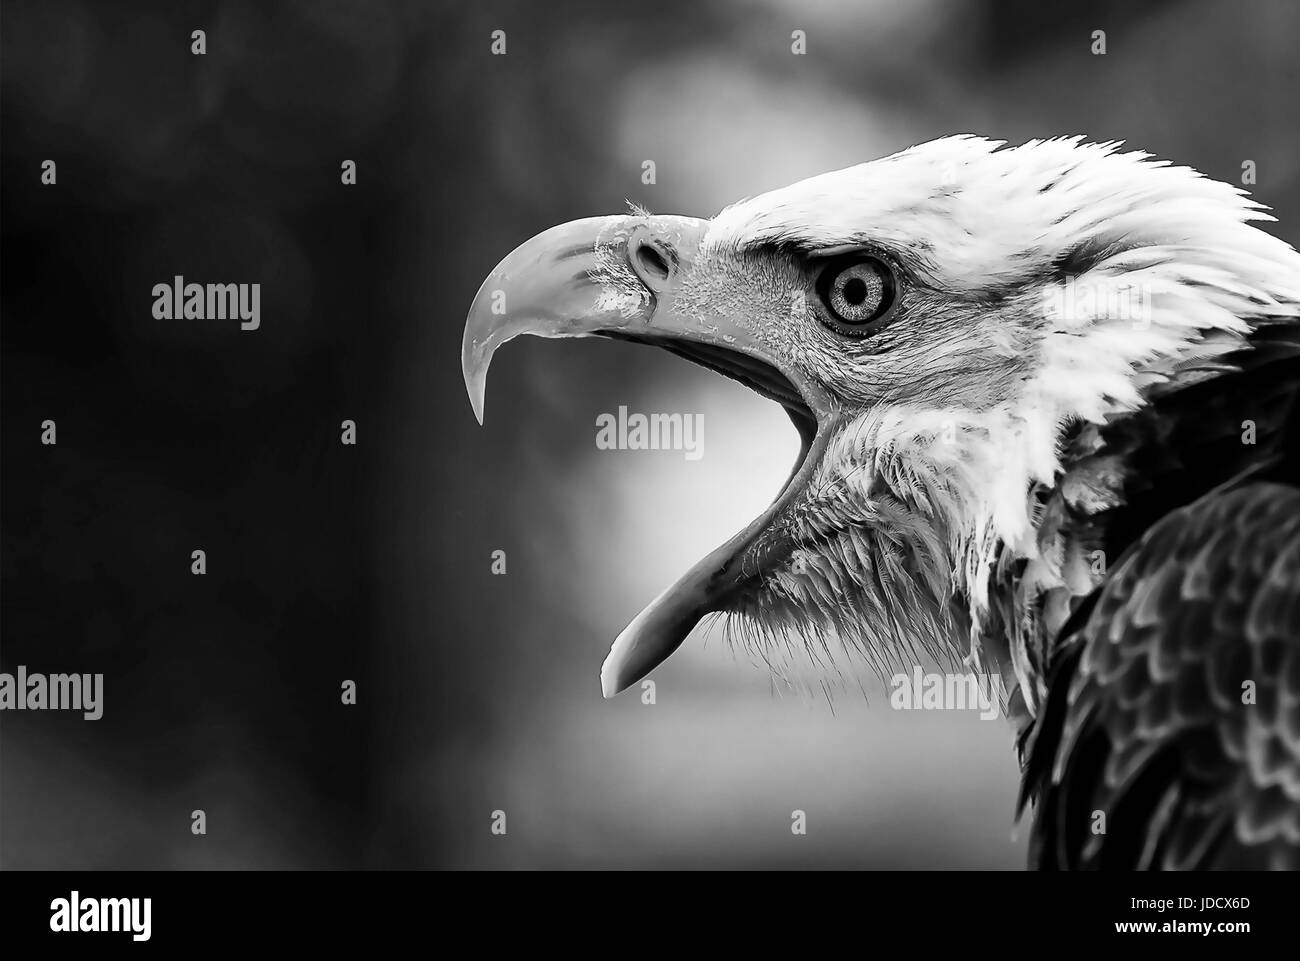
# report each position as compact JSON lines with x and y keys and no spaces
{"x":858,"y":292}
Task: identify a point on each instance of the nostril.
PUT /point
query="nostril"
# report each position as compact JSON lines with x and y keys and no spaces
{"x":651,"y":263}
{"x":652,"y":260}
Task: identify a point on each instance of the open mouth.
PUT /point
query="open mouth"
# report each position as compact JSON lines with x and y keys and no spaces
{"x":581,"y":280}
{"x":739,"y":565}
{"x":760,"y":377}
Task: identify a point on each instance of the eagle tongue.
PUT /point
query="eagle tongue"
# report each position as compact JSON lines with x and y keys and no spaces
{"x":667,"y":620}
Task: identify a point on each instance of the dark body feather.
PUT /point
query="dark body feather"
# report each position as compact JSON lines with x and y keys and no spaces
{"x":1147,"y":731}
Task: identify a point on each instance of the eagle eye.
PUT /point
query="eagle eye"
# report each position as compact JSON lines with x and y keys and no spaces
{"x":858,"y":293}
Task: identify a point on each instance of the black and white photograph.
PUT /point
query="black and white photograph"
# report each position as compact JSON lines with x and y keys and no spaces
{"x":591,"y":439}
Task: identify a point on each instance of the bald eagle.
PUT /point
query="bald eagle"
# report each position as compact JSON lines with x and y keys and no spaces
{"x":1047,"y":397}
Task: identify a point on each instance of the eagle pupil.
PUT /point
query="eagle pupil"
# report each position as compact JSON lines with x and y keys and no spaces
{"x":855,"y":291}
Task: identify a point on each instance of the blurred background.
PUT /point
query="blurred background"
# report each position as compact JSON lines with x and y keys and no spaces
{"x":476,"y":692}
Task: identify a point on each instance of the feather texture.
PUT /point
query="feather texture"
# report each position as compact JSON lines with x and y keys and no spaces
{"x":1170,"y":737}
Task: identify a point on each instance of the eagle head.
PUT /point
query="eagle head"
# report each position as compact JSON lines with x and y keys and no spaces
{"x":948,"y":328}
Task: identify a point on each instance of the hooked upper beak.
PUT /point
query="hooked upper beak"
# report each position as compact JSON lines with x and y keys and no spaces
{"x":621,"y":277}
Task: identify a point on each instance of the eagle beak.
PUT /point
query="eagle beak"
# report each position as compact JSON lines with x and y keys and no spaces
{"x":598,"y":276}
{"x":621,"y":277}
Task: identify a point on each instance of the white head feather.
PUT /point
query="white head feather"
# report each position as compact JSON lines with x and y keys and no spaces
{"x":1126,"y":274}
